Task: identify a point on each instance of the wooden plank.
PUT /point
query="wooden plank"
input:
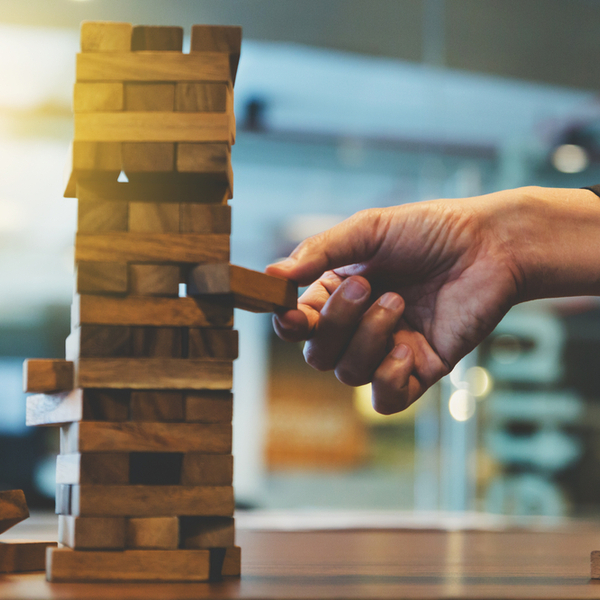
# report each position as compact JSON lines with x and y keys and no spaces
{"x":97,"y":217}
{"x":96,"y":277}
{"x":157,"y":217}
{"x":45,"y":375}
{"x":206,"y":469}
{"x":102,"y":468}
{"x":151,"y":37}
{"x":105,"y":36}
{"x":64,"y":564}
{"x":154,"y":280}
{"x":155,"y":126}
{"x":22,"y":556}
{"x":13,"y":509}
{"x":63,"y":498}
{"x":96,"y":341}
{"x":201,"y":97}
{"x":207,"y":532}
{"x":148,"y":310}
{"x":149,"y":97}
{"x":148,"y":157}
{"x":209,"y":406}
{"x":152,"y":247}
{"x":107,"y":533}
{"x":149,"y":405}
{"x":251,"y":290}
{"x":96,"y":436}
{"x":159,"y":533}
{"x":153,"y":66}
{"x":88,"y":157}
{"x":205,"y":218}
{"x":219,"y":38}
{"x":149,"y":501}
{"x":213,"y":343}
{"x":232,"y":564}
{"x":204,"y":158}
{"x":157,"y":342}
{"x":98,"y":97}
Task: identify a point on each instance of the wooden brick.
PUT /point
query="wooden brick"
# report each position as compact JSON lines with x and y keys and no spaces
{"x":148,"y":157}
{"x":232,"y":564}
{"x":90,"y":533}
{"x":204,"y":158}
{"x":160,"y":533}
{"x":88,"y":158}
{"x":201,"y":97}
{"x":97,"y":341}
{"x":207,"y":532}
{"x":205,"y":218}
{"x":44,"y":375}
{"x":148,"y":310}
{"x":149,"y":97}
{"x":13,"y":509}
{"x":97,"y":217}
{"x":209,"y":406}
{"x":251,"y":290}
{"x":64,"y":564}
{"x":154,"y":280}
{"x":22,"y":556}
{"x":157,"y":217}
{"x":105,"y":36}
{"x":63,"y":499}
{"x":148,"y":37}
{"x":206,"y":469}
{"x":96,"y":436}
{"x":102,"y":468}
{"x":213,"y":343}
{"x":96,"y":277}
{"x":211,"y":38}
{"x":157,"y":342}
{"x":148,"y":405}
{"x":100,"y":97}
{"x":149,"y":501}
{"x":152,"y":247}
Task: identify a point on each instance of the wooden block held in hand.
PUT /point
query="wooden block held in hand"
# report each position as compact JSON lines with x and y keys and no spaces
{"x":207,"y":532}
{"x":102,"y":468}
{"x":201,"y":97}
{"x":206,"y":469}
{"x":160,"y":533}
{"x":148,"y":405}
{"x":22,"y":556}
{"x":44,"y":375}
{"x":95,"y":277}
{"x":156,"y":217}
{"x":105,"y":36}
{"x":154,"y":280}
{"x":96,"y":217}
{"x":209,"y":406}
{"x":213,"y":343}
{"x":151,"y":37}
{"x":13,"y":509}
{"x":205,"y":218}
{"x":99,"y":97}
{"x":90,"y":533}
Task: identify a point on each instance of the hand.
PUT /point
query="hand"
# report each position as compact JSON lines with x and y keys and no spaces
{"x":400,"y":295}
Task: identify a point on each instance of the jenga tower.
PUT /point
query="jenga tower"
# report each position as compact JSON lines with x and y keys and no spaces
{"x":143,"y":399}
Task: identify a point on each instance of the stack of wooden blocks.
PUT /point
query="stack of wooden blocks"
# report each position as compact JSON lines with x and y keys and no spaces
{"x":143,"y":399}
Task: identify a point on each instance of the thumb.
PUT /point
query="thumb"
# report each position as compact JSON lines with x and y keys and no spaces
{"x":353,"y":241}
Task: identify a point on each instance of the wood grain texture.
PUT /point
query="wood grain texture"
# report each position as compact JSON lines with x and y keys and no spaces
{"x":205,"y":469}
{"x":213,"y":343}
{"x":154,"y":373}
{"x":204,"y":158}
{"x":105,"y":36}
{"x":149,"y":405}
{"x":98,"y":341}
{"x":101,"y":468}
{"x":150,"y":501}
{"x":22,"y":556}
{"x":89,"y":436}
{"x":159,"y":533}
{"x":101,"y":277}
{"x":207,"y":532}
{"x":152,"y":37}
{"x":13,"y":509}
{"x":88,"y":158}
{"x":45,"y":375}
{"x":130,"y":126}
{"x":207,"y":38}
{"x":97,"y":217}
{"x":205,"y":218}
{"x":201,"y":97}
{"x":209,"y":406}
{"x":152,"y":247}
{"x":148,"y":157}
{"x":251,"y":290}
{"x":157,"y":217}
{"x":153,"y":66}
{"x":89,"y":533}
{"x":98,"y":97}
{"x":148,"y":310}
{"x":232,"y":563}
{"x":154,"y":280}
{"x":157,"y":342}
{"x":149,"y":97}
{"x":64,"y":564}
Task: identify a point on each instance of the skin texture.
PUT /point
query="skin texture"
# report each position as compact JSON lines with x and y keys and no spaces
{"x":399,"y":295}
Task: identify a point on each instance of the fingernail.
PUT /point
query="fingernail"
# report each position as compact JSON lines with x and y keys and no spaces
{"x":401,"y":352}
{"x":354,"y":290}
{"x":390,"y":301}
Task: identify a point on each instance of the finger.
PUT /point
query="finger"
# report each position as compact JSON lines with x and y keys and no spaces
{"x":337,"y":322}
{"x":371,"y":342}
{"x":394,"y":387}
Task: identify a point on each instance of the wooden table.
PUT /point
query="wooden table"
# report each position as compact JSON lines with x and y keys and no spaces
{"x":373,"y":564}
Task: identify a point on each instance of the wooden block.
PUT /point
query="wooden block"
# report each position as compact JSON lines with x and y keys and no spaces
{"x":13,"y":509}
{"x":154,"y":280}
{"x":153,"y":247}
{"x":148,"y":405}
{"x":232,"y":564}
{"x":209,"y":406}
{"x":211,"y":38}
{"x":21,"y":556}
{"x":99,"y":97}
{"x":102,"y":468}
{"x":98,"y":341}
{"x":213,"y":343}
{"x":64,"y":564}
{"x":204,"y":158}
{"x":157,"y":342}
{"x":205,"y":218}
{"x":251,"y":290}
{"x":144,"y":97}
{"x":160,"y":533}
{"x":156,"y":217}
{"x":149,"y":501}
{"x":105,"y":36}
{"x":77,"y":405}
{"x":96,"y":436}
{"x":88,"y":158}
{"x":95,"y":277}
{"x":207,"y":532}
{"x":144,"y":157}
{"x":201,"y":97}
{"x":148,"y":310}
{"x":206,"y":469}
{"x":90,"y":533}
{"x":595,"y":564}
{"x":146,"y":37}
{"x":155,"y":468}
{"x":63,"y":498}
{"x":97,"y":217}
{"x":44,"y":375}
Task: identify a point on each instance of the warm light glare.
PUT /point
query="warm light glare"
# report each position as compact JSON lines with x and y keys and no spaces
{"x":461,"y":405}
{"x":570,"y":158}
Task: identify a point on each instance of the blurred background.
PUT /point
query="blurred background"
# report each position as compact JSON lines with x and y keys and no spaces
{"x":341,"y":105}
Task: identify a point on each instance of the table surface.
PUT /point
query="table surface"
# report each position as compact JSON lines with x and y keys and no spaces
{"x":374,"y":564}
